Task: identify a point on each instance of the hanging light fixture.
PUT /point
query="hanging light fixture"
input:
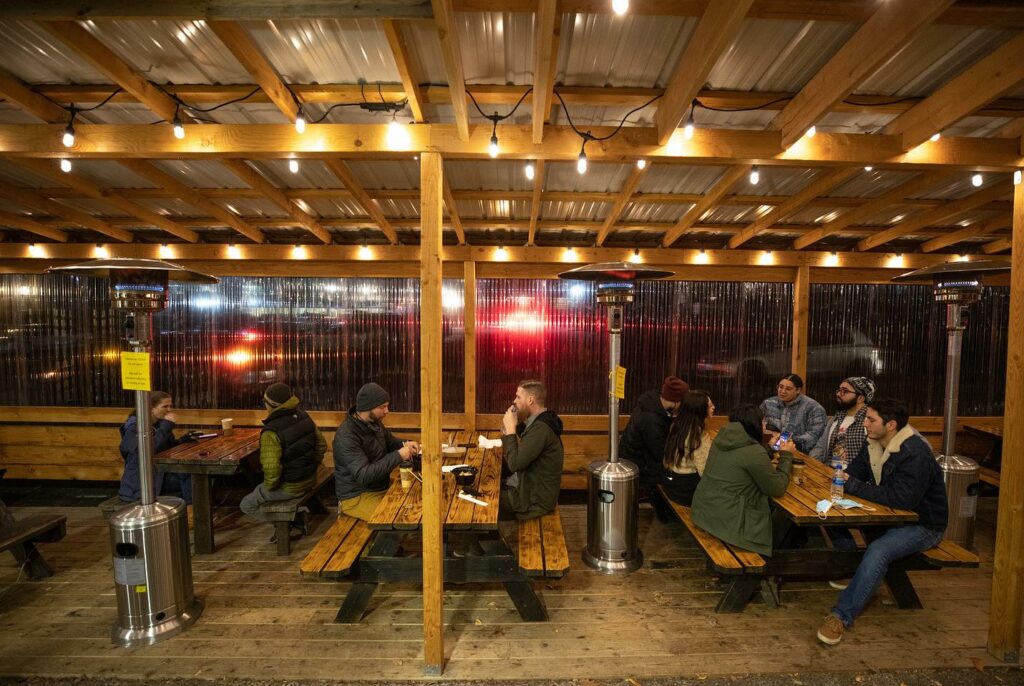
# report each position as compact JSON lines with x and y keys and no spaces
{"x":581,"y":161}
{"x":300,"y":121}
{"x":641,"y":164}
{"x":755,"y":175}
{"x":688,"y":129}
{"x":68,"y":139}
{"x":65,"y":165}
{"x":620,"y":7}
{"x":977,"y":180}
{"x":530,"y":170}
{"x":293,"y":166}
{"x":179,"y":128}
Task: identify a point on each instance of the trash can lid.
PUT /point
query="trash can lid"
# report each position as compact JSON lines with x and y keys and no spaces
{"x":957,"y":463}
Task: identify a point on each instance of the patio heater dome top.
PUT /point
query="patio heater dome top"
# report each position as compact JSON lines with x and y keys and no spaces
{"x":615,"y":271}
{"x":104,"y":267}
{"x":953,"y":271}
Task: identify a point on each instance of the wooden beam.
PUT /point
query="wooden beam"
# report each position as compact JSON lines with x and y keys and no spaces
{"x":974,"y":231}
{"x":406,"y":70}
{"x":32,"y":102}
{"x":888,"y":30}
{"x":931,"y":217}
{"x":1007,"y":603}
{"x":897,"y":195}
{"x":998,"y":245}
{"x":825,"y":182}
{"x":250,"y":176}
{"x":535,"y":200}
{"x":1012,"y":129}
{"x":431,"y":263}
{"x":194,"y":198}
{"x":370,"y":206}
{"x":32,"y":226}
{"x":716,"y":30}
{"x":236,"y":39}
{"x":451,"y":52}
{"x":31,"y":198}
{"x":984,"y":81}
{"x":453,"y":213}
{"x":89,"y":48}
{"x":621,"y":201}
{"x":76,"y":181}
{"x":801,"y":320}
{"x":469,"y":342}
{"x":705,"y":203}
{"x":544,"y":47}
{"x":369,"y":141}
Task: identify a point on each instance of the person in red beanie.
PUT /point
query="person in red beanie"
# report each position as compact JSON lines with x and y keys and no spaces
{"x":643,"y":441}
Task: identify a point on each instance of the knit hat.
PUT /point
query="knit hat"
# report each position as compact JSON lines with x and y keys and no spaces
{"x":278,"y":394}
{"x":370,"y":396}
{"x":863,"y":385}
{"x":673,"y":389}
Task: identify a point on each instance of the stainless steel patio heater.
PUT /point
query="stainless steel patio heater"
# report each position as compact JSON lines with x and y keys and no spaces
{"x":612,"y":485}
{"x":149,"y":542}
{"x":957,"y":284}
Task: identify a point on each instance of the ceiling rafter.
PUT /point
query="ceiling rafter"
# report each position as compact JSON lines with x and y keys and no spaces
{"x":32,"y":226}
{"x":453,"y":212}
{"x":545,"y":47}
{"x":930,"y":217}
{"x":408,"y":71}
{"x":236,"y":39}
{"x":823,"y":183}
{"x":370,"y":206}
{"x":272,"y":193}
{"x":622,"y":200}
{"x":715,"y":31}
{"x":713,"y":196}
{"x":998,"y":245}
{"x":888,"y":30}
{"x":975,"y":230}
{"x":451,"y":52}
{"x":536,"y":198}
{"x":29,"y":100}
{"x":32,"y":198}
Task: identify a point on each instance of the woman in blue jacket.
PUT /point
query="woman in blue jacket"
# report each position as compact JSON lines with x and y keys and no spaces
{"x":163,"y":438}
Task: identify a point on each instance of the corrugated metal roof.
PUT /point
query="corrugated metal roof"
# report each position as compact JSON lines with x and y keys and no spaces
{"x":574,"y":211}
{"x":336,"y":207}
{"x":200,"y":173}
{"x":602,"y":177}
{"x":679,"y":178}
{"x":311,"y":174}
{"x":497,"y":175}
{"x":871,"y":184}
{"x":491,"y":209}
{"x":398,"y":174}
{"x":651,"y":212}
{"x":34,"y":56}
{"x":252,"y":207}
{"x":497,"y":47}
{"x":109,"y":174}
{"x":735,"y":214}
{"x":777,"y":181}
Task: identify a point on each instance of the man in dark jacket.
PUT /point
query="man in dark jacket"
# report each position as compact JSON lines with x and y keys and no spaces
{"x":531,"y":440}
{"x":162,"y":414}
{"x":365,"y":454}
{"x":643,"y":441}
{"x":291,"y":450}
{"x":896,"y":469}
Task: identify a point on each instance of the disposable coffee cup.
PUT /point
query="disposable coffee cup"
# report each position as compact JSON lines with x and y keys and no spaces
{"x":405,"y":474}
{"x":798,"y":472}
{"x":225,"y":425}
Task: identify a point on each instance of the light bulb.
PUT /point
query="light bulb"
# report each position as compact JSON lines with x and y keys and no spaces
{"x":755,"y":176}
{"x":688,"y":129}
{"x":581,"y":163}
{"x":641,"y":164}
{"x":635,"y":257}
{"x":811,"y":131}
{"x":868,"y":168}
{"x":293,"y":166}
{"x":977,"y":180}
{"x":935,"y":137}
{"x":179,"y":128}
{"x":233,"y":251}
{"x":34,"y":250}
{"x":501,"y":253}
{"x":69,"y":135}
{"x":570,"y":253}
{"x":300,"y":122}
{"x":620,"y":7}
{"x":1016,"y":177}
{"x":364,"y":252}
{"x":299,"y":252}
{"x":531,"y":171}
{"x":397,"y":137}
{"x":492,"y":149}
{"x":165,"y":250}
{"x":100,"y":251}
{"x":65,"y":165}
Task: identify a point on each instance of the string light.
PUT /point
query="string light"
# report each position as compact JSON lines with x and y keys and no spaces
{"x":364,"y":252}
{"x":620,"y":7}
{"x":65,"y":165}
{"x":581,"y":161}
{"x":165,"y":250}
{"x":963,"y":258}
{"x":179,"y":128}
{"x":35,"y":250}
{"x":977,"y":180}
{"x":300,"y":121}
{"x":100,"y":251}
{"x":935,"y":137}
{"x":702,"y":257}
{"x":688,"y":129}
{"x":492,"y":149}
{"x":1016,"y":177}
{"x":570,"y":254}
{"x":501,"y":253}
{"x":530,"y":171}
{"x":69,"y":131}
{"x":755,"y":175}
{"x":635,"y":257}
{"x":832,"y":260}
{"x":293,"y":166}
{"x":868,"y":168}
{"x":811,"y":131}
{"x":234,"y":252}
{"x":397,"y":138}
{"x":299,"y":252}
{"x":641,"y":164}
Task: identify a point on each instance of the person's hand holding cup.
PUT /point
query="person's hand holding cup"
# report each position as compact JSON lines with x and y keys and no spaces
{"x":509,"y":420}
{"x":408,"y":450}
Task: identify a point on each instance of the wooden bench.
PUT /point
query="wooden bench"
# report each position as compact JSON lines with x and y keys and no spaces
{"x":21,"y":536}
{"x":949,"y":554}
{"x":542,"y":550}
{"x":283,"y":512}
{"x":336,"y":553}
{"x":111,"y":506}
{"x":989,"y":476}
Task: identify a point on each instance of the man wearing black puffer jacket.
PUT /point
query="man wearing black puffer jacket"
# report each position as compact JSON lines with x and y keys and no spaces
{"x":643,"y":441}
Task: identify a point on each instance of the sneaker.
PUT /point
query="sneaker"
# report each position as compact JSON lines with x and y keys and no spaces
{"x":831,"y":631}
{"x":839,"y":585}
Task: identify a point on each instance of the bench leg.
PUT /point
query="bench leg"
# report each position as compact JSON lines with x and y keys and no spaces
{"x":356,"y":600}
{"x":316,"y":506}
{"x":27,"y":555}
{"x":770,"y":592}
{"x":530,"y":607}
{"x":282,"y":531}
{"x":738,"y":594}
{"x":902,"y":590}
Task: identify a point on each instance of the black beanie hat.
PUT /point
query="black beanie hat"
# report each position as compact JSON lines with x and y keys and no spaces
{"x":278,"y":394}
{"x":370,"y":396}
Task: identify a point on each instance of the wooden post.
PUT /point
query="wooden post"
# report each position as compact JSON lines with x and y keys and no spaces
{"x":801,"y":313}
{"x":431,"y":215}
{"x":469,"y":319}
{"x":1004,"y":618}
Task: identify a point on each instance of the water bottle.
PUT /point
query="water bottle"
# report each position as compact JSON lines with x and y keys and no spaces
{"x":836,"y":490}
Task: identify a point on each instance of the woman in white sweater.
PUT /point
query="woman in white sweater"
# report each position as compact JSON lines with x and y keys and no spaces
{"x":686,"y":450}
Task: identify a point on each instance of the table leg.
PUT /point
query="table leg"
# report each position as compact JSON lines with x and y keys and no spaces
{"x":529,"y":605}
{"x":738,"y":593}
{"x":28,"y":555}
{"x":386,"y":545}
{"x":202,"y":511}
{"x":902,"y":590}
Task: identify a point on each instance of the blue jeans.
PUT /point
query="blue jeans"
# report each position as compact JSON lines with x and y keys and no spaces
{"x":894,"y":544}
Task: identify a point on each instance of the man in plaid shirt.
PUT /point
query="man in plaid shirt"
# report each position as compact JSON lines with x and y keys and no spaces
{"x":845,"y":434}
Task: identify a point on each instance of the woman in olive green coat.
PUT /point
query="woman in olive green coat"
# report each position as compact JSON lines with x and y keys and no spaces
{"x":733,"y":498}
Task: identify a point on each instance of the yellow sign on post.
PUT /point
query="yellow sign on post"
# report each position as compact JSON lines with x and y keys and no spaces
{"x":135,"y":371}
{"x":620,"y":382}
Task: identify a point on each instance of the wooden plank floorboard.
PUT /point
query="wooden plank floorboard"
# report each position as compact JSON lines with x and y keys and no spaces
{"x":659,"y":621}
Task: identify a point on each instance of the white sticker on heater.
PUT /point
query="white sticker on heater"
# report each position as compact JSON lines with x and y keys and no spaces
{"x":129,"y":571}
{"x":968,"y":505}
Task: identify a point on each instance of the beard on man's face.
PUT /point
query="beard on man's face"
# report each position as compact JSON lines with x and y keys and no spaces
{"x":846,"y":404}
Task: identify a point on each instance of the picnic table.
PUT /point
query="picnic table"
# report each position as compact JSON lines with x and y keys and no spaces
{"x":398,"y":521}
{"x":203,"y":458}
{"x":991,"y":433}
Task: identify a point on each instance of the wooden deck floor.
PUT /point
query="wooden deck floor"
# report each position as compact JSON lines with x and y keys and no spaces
{"x":263,"y":621}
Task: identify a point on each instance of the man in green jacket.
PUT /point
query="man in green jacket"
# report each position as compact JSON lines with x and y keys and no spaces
{"x":532,"y":445}
{"x":733,"y":497}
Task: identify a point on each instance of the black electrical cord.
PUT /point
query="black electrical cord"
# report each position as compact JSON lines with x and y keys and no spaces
{"x":586,"y":135}
{"x":495,"y":118}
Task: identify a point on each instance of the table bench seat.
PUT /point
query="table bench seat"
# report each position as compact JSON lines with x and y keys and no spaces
{"x":542,"y":549}
{"x":21,"y":536}
{"x":283,"y":512}
{"x":949,"y":554}
{"x":336,"y":553}
{"x":989,"y":476}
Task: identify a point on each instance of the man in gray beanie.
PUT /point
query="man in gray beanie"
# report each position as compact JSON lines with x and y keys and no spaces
{"x":365,"y":454}
{"x":845,"y":435}
{"x":291,"y":450}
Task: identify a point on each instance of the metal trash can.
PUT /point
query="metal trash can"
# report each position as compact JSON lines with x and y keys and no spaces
{"x":152,"y":572}
{"x":612,"y":512}
{"x":961,"y":476}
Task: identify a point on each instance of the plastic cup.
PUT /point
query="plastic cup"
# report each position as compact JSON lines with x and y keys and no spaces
{"x":225,"y":425}
{"x":405,"y":474}
{"x":798,"y":473}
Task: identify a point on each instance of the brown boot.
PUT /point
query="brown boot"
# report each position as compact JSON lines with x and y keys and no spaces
{"x":831,"y":631}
